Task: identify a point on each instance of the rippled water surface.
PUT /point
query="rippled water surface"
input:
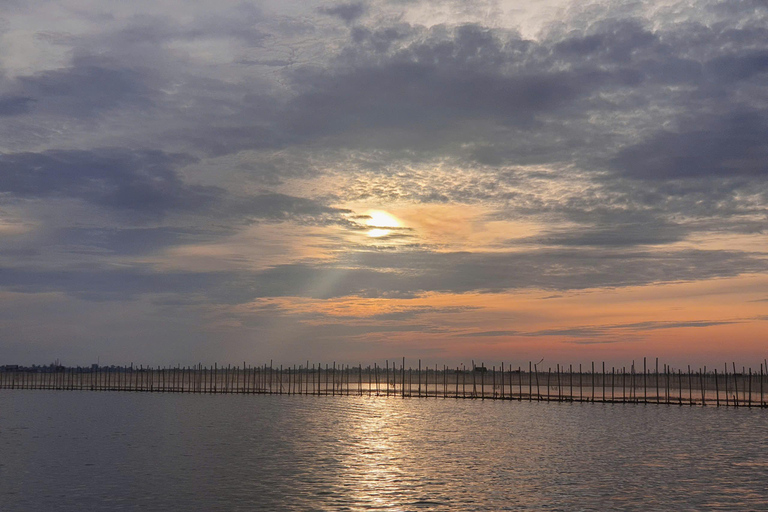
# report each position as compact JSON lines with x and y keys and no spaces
{"x":136,"y":451}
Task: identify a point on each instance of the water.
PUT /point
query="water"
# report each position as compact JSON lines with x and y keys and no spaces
{"x":78,"y":451}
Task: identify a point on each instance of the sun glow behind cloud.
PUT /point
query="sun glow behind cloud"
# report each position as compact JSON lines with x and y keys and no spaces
{"x":381,"y":223}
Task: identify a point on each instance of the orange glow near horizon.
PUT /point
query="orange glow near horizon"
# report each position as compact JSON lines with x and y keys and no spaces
{"x":709,"y":320}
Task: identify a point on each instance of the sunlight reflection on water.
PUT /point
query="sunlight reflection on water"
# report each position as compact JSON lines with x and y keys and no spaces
{"x":78,"y":451}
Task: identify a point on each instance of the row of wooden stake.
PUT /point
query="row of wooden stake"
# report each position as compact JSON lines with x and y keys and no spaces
{"x":668,"y":386}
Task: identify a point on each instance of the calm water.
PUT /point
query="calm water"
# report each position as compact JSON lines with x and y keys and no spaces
{"x":132,"y":451}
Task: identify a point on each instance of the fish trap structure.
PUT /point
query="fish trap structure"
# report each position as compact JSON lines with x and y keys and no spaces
{"x":666,"y":385}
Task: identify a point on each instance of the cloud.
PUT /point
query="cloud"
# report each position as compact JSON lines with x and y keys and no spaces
{"x":629,"y":141}
{"x":433,"y":82}
{"x":729,"y":146}
{"x":15,"y":105}
{"x":146,"y":182}
{"x":346,"y":12}
{"x":489,"y":334}
{"x":86,"y":89}
{"x":617,"y":235}
{"x":282,"y":207}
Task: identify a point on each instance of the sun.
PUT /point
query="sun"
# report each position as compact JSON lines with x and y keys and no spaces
{"x":379,"y":221}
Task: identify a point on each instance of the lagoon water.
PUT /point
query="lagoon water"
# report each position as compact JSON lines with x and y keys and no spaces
{"x":65,"y":450}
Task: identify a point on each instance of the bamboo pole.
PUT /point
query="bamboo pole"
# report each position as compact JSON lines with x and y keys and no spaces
{"x":530,"y":383}
{"x":690,"y":386}
{"x":645,"y":382}
{"x":402,"y":377}
{"x":613,"y":378}
{"x":717,"y":390}
{"x":603,"y":383}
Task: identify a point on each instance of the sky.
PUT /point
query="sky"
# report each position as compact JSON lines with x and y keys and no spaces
{"x":229,"y":181}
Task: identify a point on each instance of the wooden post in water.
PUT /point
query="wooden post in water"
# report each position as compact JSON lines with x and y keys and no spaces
{"x":623,"y":384}
{"x":559,"y":388}
{"x":457,"y":382}
{"x":530,"y":382}
{"x":482,"y":380}
{"x":410,"y":382}
{"x":402,"y":378}
{"x":645,"y":382}
{"x":717,"y":391}
{"x":386,"y":379}
{"x":749,"y":399}
{"x":690,"y":386}
{"x":735,"y":386}
{"x":725,"y":375}
{"x":603,"y":382}
{"x":437,"y":384}
{"x":593,"y":381}
{"x":501,"y":391}
{"x":445,"y":381}
{"x":418,"y":377}
{"x":536,"y":371}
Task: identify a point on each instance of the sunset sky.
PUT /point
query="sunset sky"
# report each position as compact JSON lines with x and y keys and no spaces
{"x":446,"y":180}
